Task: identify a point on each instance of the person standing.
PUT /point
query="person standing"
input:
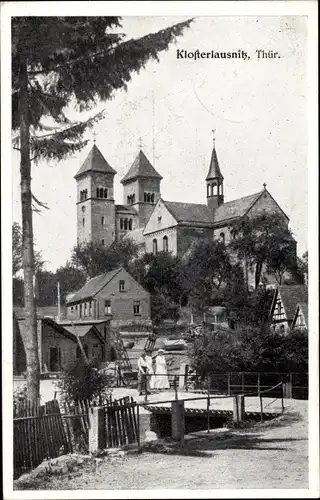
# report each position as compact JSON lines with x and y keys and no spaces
{"x":161,"y":380}
{"x":142,"y":371}
{"x":149,"y":375}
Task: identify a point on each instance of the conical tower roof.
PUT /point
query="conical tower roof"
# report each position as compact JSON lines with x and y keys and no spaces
{"x":141,"y":167}
{"x":214,"y":169}
{"x":95,"y":162}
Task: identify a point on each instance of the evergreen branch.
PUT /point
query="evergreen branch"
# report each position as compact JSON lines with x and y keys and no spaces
{"x":40,"y":203}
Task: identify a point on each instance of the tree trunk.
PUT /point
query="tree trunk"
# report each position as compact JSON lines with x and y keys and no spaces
{"x":30,"y":338}
{"x":258,"y":274}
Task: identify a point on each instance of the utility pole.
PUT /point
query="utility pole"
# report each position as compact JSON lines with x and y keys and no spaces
{"x":59,"y":298}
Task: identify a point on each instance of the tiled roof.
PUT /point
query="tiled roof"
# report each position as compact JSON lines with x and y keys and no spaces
{"x":189,"y":212}
{"x":214,"y":169}
{"x":141,"y":167}
{"x":291,"y":296}
{"x":95,"y":162}
{"x":126,"y":209}
{"x":93,"y":286}
{"x":234,"y":208}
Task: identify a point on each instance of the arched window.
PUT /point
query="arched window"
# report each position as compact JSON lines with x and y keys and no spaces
{"x":152,"y":198}
{"x":133,"y":198}
{"x":149,"y":198}
{"x":155,"y":246}
{"x":98,"y":192}
{"x":165,"y":243}
{"x":222,"y":237}
{"x":130,"y":224}
{"x":106,"y":193}
{"x":83,"y":222}
{"x":102,"y":243}
{"x":102,"y":221}
{"x":101,"y":192}
{"x":121,"y":223}
{"x":145,"y":197}
{"x":128,"y":200}
{"x":125,"y":224}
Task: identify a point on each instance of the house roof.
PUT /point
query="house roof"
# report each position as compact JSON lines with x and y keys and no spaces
{"x":126,"y":209}
{"x":189,"y":212}
{"x":214,"y":169}
{"x":291,"y":296}
{"x":93,"y":286}
{"x":303,"y":306}
{"x":82,"y":330}
{"x":235,"y":208}
{"x":95,"y":162}
{"x":141,"y":167}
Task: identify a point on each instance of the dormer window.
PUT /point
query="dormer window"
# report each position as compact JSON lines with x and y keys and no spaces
{"x":159,"y":218}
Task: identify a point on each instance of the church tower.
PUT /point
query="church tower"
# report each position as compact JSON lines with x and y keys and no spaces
{"x":95,"y":200}
{"x":141,"y":187}
{"x":214,"y":182}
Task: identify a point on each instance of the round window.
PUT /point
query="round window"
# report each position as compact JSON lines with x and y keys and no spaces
{"x":83,"y":208}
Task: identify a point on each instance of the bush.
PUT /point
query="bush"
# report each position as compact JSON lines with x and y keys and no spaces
{"x":83,"y":381}
{"x":20,"y":395}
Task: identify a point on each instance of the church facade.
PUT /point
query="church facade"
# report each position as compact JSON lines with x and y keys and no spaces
{"x":152,"y":222}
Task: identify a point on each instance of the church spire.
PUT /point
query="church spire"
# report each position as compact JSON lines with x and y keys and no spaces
{"x":214,"y":180}
{"x":214,"y":169}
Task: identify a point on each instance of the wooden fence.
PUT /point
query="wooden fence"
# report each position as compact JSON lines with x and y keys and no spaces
{"x":43,"y":432}
{"x":38,"y":433}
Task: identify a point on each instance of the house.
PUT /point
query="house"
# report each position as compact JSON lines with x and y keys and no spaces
{"x":154,"y":223}
{"x":58,"y":345}
{"x":284,"y":305}
{"x":300,"y":319}
{"x":114,"y":297}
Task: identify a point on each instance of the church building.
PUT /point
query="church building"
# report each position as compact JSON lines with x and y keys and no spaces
{"x":154,"y":223}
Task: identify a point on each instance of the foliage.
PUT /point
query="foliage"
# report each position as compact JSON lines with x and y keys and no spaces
{"x":159,"y":275}
{"x":58,"y":62}
{"x":83,"y":381}
{"x":17,"y":292}
{"x":70,"y":278}
{"x":17,"y":251}
{"x":264,"y":239}
{"x":205,"y":273}
{"x":20,"y":395}
{"x":302,"y":268}
{"x":94,"y":259}
{"x":250,"y":348}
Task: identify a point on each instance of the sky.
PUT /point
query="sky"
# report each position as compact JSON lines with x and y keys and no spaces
{"x":257,"y":106}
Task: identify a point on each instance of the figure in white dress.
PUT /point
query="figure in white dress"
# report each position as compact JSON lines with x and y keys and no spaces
{"x":160,"y":379}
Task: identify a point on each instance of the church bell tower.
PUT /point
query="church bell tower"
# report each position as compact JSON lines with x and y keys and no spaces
{"x":214,"y":181}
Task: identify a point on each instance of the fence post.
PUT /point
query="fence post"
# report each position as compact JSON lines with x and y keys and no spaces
{"x":182,"y":376}
{"x":177,"y":420}
{"x":261,"y":409}
{"x":96,"y":429}
{"x":175,"y":387}
{"x":208,"y":404}
{"x":238,"y":408}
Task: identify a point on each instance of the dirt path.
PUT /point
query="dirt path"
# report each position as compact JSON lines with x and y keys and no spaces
{"x":271,"y":455}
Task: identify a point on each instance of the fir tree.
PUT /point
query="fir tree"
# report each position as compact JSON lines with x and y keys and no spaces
{"x":58,"y":61}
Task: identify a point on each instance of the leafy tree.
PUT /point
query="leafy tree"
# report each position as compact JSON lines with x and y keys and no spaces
{"x":94,"y":259}
{"x":17,"y":251}
{"x":250,"y":348}
{"x":261,"y":240}
{"x":58,"y":62}
{"x":205,"y":274}
{"x":70,"y":278}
